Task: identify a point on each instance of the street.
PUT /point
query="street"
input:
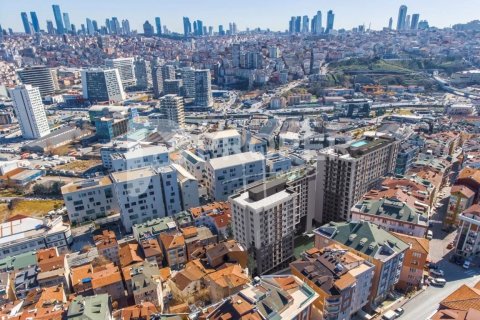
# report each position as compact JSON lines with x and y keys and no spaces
{"x":426,"y":303}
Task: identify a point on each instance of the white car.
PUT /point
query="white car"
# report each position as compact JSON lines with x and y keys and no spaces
{"x":466,"y":264}
{"x":437,"y":272}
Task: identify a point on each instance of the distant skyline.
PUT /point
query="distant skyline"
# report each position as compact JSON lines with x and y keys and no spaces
{"x":247,"y":13}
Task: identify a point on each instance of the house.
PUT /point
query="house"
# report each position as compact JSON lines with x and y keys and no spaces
{"x":152,"y":251}
{"x":226,"y":282}
{"x":97,"y":307}
{"x":107,"y":245}
{"x":174,"y":250}
{"x":142,"y":311}
{"x":229,"y":251}
{"x":462,"y":304}
{"x":146,"y":284}
{"x":197,"y":237}
{"x":188,"y":283}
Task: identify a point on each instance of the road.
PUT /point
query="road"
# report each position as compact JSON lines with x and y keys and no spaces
{"x":426,"y":303}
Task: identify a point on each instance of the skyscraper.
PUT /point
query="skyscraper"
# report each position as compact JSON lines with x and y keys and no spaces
{"x":30,"y":111}
{"x":158,"y":24}
{"x":125,"y":68}
{"x":43,"y":78}
{"x":402,"y":16}
{"x":148,"y":30}
{"x":58,"y":18}
{"x":26,"y":23}
{"x":390,"y":23}
{"x":102,"y":85}
{"x":188,"y":79}
{"x":298,"y":24}
{"x":66,"y":22}
{"x":187,"y":26}
{"x":305,"y":23}
{"x":319,"y":23}
{"x":36,"y":25}
{"x":126,"y":27}
{"x":90,"y":29}
{"x":199,"y":29}
{"x":330,"y":21}
{"x":291,"y":25}
{"x":50,"y":27}
{"x":203,"y":88}
{"x":107,"y":26}
{"x":415,"y":20}
{"x":407,"y":22}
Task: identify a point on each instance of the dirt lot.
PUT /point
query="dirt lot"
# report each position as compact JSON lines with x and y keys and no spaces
{"x":33,"y":208}
{"x":78,"y":165}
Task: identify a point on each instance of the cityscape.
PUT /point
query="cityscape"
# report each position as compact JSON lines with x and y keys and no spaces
{"x":194,"y":170}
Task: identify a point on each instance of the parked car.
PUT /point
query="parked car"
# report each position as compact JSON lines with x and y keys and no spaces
{"x":390,"y":315}
{"x":429,"y":234}
{"x":439,"y":282}
{"x":399,"y":311}
{"x":466,"y":264}
{"x":437,"y":272}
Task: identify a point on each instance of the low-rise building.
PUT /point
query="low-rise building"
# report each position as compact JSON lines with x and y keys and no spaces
{"x":393,"y":214}
{"x":461,"y":198}
{"x":97,"y":307}
{"x":411,"y":277}
{"x":341,"y":278}
{"x":146,"y":284}
{"x":21,"y":234}
{"x":174,"y":249}
{"x":229,"y":251}
{"x":288,"y":298}
{"x":107,"y":246}
{"x":372,"y":243}
{"x":197,"y":237}
{"x":467,"y":241}
{"x":226,"y":282}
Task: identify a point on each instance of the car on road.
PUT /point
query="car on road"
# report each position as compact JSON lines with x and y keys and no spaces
{"x":466,"y":264}
{"x":439,"y":282}
{"x":437,"y":272}
{"x":399,"y":311}
{"x":390,"y":315}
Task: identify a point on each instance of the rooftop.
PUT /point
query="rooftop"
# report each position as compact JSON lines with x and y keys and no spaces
{"x":235,"y":160}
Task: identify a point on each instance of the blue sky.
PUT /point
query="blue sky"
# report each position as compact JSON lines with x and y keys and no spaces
{"x":273,"y":14}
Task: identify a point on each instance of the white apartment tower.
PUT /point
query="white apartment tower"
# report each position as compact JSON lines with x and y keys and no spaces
{"x":346,"y":172}
{"x":221,"y":143}
{"x":125,"y":68}
{"x":39,"y":76}
{"x":30,"y":111}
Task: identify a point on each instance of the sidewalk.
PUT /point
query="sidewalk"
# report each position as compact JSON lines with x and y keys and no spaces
{"x":400,"y":302}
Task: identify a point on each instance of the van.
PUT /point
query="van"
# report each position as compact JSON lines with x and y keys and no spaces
{"x":429,"y":234}
{"x":440,"y":282}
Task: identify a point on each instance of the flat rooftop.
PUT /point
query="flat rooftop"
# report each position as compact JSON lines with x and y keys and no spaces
{"x":124,"y":176}
{"x":235,"y":160}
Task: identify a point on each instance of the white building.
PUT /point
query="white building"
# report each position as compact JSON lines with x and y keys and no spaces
{"x":88,"y":200}
{"x":263,"y":219}
{"x":195,"y":165}
{"x":467,"y":242}
{"x":221,"y":143}
{"x":188,"y":188}
{"x":30,"y":111}
{"x":102,"y":85}
{"x":139,"y":195}
{"x":25,"y":234}
{"x":155,"y":156}
{"x":170,"y":190}
{"x":116,"y":147}
{"x":227,"y":174}
{"x":126,"y":69}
